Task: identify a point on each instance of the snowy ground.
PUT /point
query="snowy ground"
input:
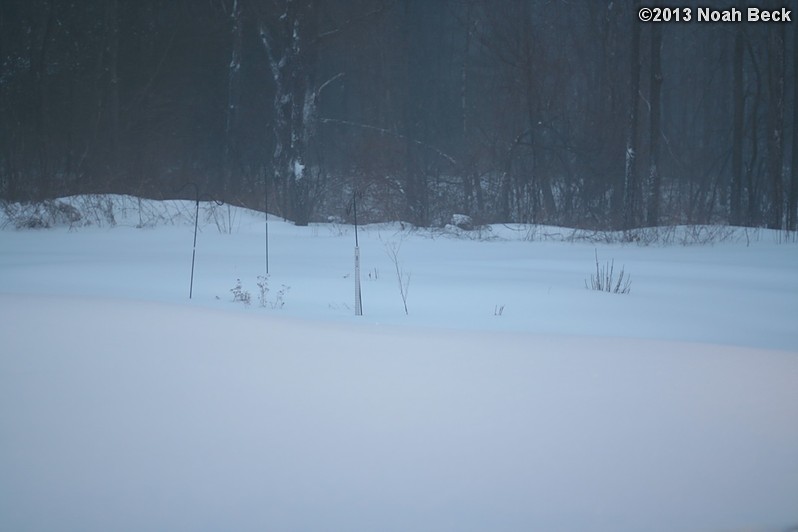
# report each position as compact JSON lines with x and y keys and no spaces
{"x":125,"y":406}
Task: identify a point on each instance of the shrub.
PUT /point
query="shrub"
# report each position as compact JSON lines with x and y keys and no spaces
{"x":239,"y":294}
{"x":402,"y":276}
{"x":263,"y":296}
{"x":605,"y":281}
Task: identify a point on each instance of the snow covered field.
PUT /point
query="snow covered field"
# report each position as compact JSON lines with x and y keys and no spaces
{"x":508,"y":398}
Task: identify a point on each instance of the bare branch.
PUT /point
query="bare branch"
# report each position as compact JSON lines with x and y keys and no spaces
{"x":329,"y":81}
{"x":384,"y":131}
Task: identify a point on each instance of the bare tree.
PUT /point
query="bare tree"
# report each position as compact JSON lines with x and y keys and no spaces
{"x":630,"y":180}
{"x":775,"y":123}
{"x":655,"y":126}
{"x":738,"y":99}
{"x":233,"y":97}
{"x":289,"y":34}
{"x":792,"y":200}
{"x":503,"y":109}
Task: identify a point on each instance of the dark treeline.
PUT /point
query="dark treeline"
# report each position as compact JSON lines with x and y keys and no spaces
{"x":548,"y":111}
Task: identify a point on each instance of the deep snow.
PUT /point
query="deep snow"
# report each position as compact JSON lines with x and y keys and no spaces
{"x":125,"y":406}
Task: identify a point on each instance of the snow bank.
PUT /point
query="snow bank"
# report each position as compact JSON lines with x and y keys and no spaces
{"x":126,"y":406}
{"x":117,"y":415}
{"x":730,"y":293}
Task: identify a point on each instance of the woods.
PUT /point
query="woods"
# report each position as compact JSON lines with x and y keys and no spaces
{"x":571,"y":113}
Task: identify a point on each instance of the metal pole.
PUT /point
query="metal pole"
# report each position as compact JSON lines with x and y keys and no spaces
{"x":358,"y":299}
{"x":266,"y":210}
{"x":194,"y":251}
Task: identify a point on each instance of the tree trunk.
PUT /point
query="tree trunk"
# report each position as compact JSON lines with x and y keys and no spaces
{"x":792,"y":201}
{"x":655,"y":125}
{"x":468,"y":173}
{"x":775,"y":123}
{"x":735,"y":207}
{"x":113,"y":87}
{"x":752,"y":176}
{"x":630,"y":182}
{"x":38,"y":70}
{"x":292,"y":58}
{"x":233,"y":98}
{"x":415,"y":124}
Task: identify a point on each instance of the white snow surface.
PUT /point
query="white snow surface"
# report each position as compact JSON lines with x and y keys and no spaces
{"x":126,"y":406}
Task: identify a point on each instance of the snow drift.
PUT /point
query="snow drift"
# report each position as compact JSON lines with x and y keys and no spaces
{"x":125,"y":406}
